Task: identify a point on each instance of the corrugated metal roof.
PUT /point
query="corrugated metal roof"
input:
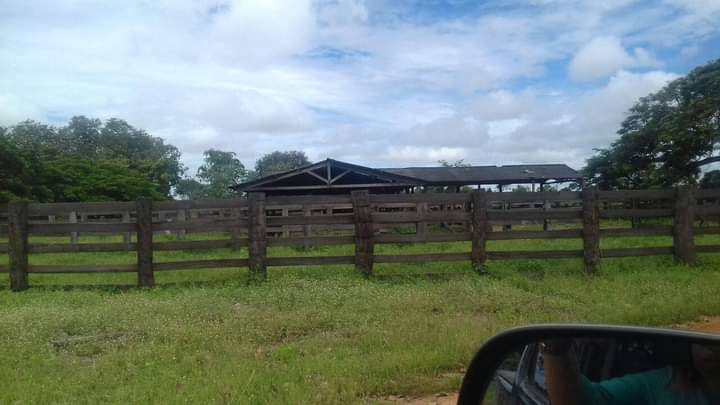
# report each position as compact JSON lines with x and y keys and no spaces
{"x":488,"y":174}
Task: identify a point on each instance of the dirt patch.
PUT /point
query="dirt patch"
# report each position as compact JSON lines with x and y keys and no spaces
{"x":435,"y":399}
{"x":708,"y":324}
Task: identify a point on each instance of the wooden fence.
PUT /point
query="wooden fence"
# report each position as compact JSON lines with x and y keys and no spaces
{"x":361,"y":219}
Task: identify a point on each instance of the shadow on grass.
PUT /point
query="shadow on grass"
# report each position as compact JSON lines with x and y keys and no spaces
{"x":440,"y":276}
{"x":121,"y":288}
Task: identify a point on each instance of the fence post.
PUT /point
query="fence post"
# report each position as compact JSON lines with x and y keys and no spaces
{"x":479,"y":230}
{"x":235,"y":231}
{"x":182,"y":216}
{"x":257,"y":233}
{"x":421,"y":227}
{"x":364,"y":246}
{"x":307,"y":230}
{"x":73,"y":219}
{"x":591,"y":230}
{"x":146,"y":277}
{"x":18,"y":245}
{"x":127,"y":238}
{"x":683,"y":218}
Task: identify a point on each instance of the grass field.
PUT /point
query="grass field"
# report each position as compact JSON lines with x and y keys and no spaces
{"x":318,"y":335}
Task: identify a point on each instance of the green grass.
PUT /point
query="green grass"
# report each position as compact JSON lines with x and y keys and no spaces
{"x":312,"y":335}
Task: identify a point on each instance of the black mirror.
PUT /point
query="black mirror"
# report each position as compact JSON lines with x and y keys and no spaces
{"x":563,"y":365}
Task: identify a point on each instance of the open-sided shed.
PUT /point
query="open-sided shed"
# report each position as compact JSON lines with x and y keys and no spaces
{"x":335,"y":177}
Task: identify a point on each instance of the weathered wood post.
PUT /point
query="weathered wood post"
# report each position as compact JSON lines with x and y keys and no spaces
{"x":591,"y":230}
{"x":182,"y":216}
{"x":545,"y":207}
{"x":421,"y":227}
{"x":236,"y":230}
{"x":684,"y":215}
{"x":146,"y":277}
{"x":307,"y":230}
{"x":364,"y":246}
{"x":127,"y":238}
{"x":73,"y":219}
{"x":479,"y":223}
{"x":546,"y":222}
{"x":286,"y":228}
{"x":18,"y":245}
{"x":257,"y":232}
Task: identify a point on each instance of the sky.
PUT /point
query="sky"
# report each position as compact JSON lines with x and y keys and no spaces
{"x":379,"y":83}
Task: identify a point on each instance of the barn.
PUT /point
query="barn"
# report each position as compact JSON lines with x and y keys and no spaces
{"x":332,"y":176}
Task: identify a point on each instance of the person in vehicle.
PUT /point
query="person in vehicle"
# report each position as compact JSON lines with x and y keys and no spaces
{"x":694,"y":380}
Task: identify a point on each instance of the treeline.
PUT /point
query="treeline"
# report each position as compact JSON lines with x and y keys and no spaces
{"x":668,"y":138}
{"x":93,"y":160}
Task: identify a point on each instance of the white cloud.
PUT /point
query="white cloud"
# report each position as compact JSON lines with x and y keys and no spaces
{"x":537,"y":131}
{"x":704,"y":7}
{"x":603,"y":56}
{"x":410,"y":155}
{"x":369,"y":81}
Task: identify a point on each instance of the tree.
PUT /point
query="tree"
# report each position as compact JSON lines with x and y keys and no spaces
{"x":100,"y":180}
{"x":667,"y":136}
{"x":711,"y":179}
{"x":12,"y":167}
{"x":89,"y":140}
{"x":277,"y":162}
{"x":219,"y":171}
{"x":81,"y":136}
{"x":191,"y":189}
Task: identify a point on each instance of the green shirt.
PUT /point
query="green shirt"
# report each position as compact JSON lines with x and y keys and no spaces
{"x":650,"y":388}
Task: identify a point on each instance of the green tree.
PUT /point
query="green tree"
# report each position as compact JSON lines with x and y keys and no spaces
{"x":84,"y":139}
{"x":191,"y":189}
{"x":219,"y":171}
{"x":81,"y":136}
{"x":100,"y":180}
{"x":278,"y":162}
{"x":667,"y":136}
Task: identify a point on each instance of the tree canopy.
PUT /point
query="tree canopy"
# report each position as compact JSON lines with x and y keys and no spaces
{"x":666,"y":137}
{"x":219,"y":171}
{"x":277,"y":162}
{"x":85,"y":160}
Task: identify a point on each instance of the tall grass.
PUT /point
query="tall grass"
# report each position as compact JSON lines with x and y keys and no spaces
{"x":311,"y":334}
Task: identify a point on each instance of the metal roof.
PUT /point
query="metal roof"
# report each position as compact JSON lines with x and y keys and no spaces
{"x":409,"y":176}
{"x":388,"y":178}
{"x":489,"y":174}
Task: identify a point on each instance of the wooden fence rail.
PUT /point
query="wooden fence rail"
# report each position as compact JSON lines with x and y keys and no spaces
{"x":360,"y":219}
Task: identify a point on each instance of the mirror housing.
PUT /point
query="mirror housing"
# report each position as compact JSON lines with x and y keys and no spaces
{"x":484,"y":365}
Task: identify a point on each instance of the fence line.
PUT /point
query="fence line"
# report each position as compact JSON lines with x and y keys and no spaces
{"x":361,"y":219}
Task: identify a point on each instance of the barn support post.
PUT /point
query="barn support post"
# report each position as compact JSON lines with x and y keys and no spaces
{"x":18,"y":245}
{"x":479,"y":230}
{"x":146,"y":277}
{"x":591,"y":230}
{"x":684,"y":213}
{"x":546,"y":207}
{"x":257,"y":232}
{"x":364,"y":245}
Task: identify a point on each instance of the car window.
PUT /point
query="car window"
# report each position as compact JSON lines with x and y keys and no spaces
{"x":539,"y":371}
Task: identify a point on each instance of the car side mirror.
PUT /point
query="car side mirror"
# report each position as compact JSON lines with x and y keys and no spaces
{"x":578,"y":364}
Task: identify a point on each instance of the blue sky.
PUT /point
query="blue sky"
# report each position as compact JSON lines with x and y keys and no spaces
{"x":383,"y":83}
